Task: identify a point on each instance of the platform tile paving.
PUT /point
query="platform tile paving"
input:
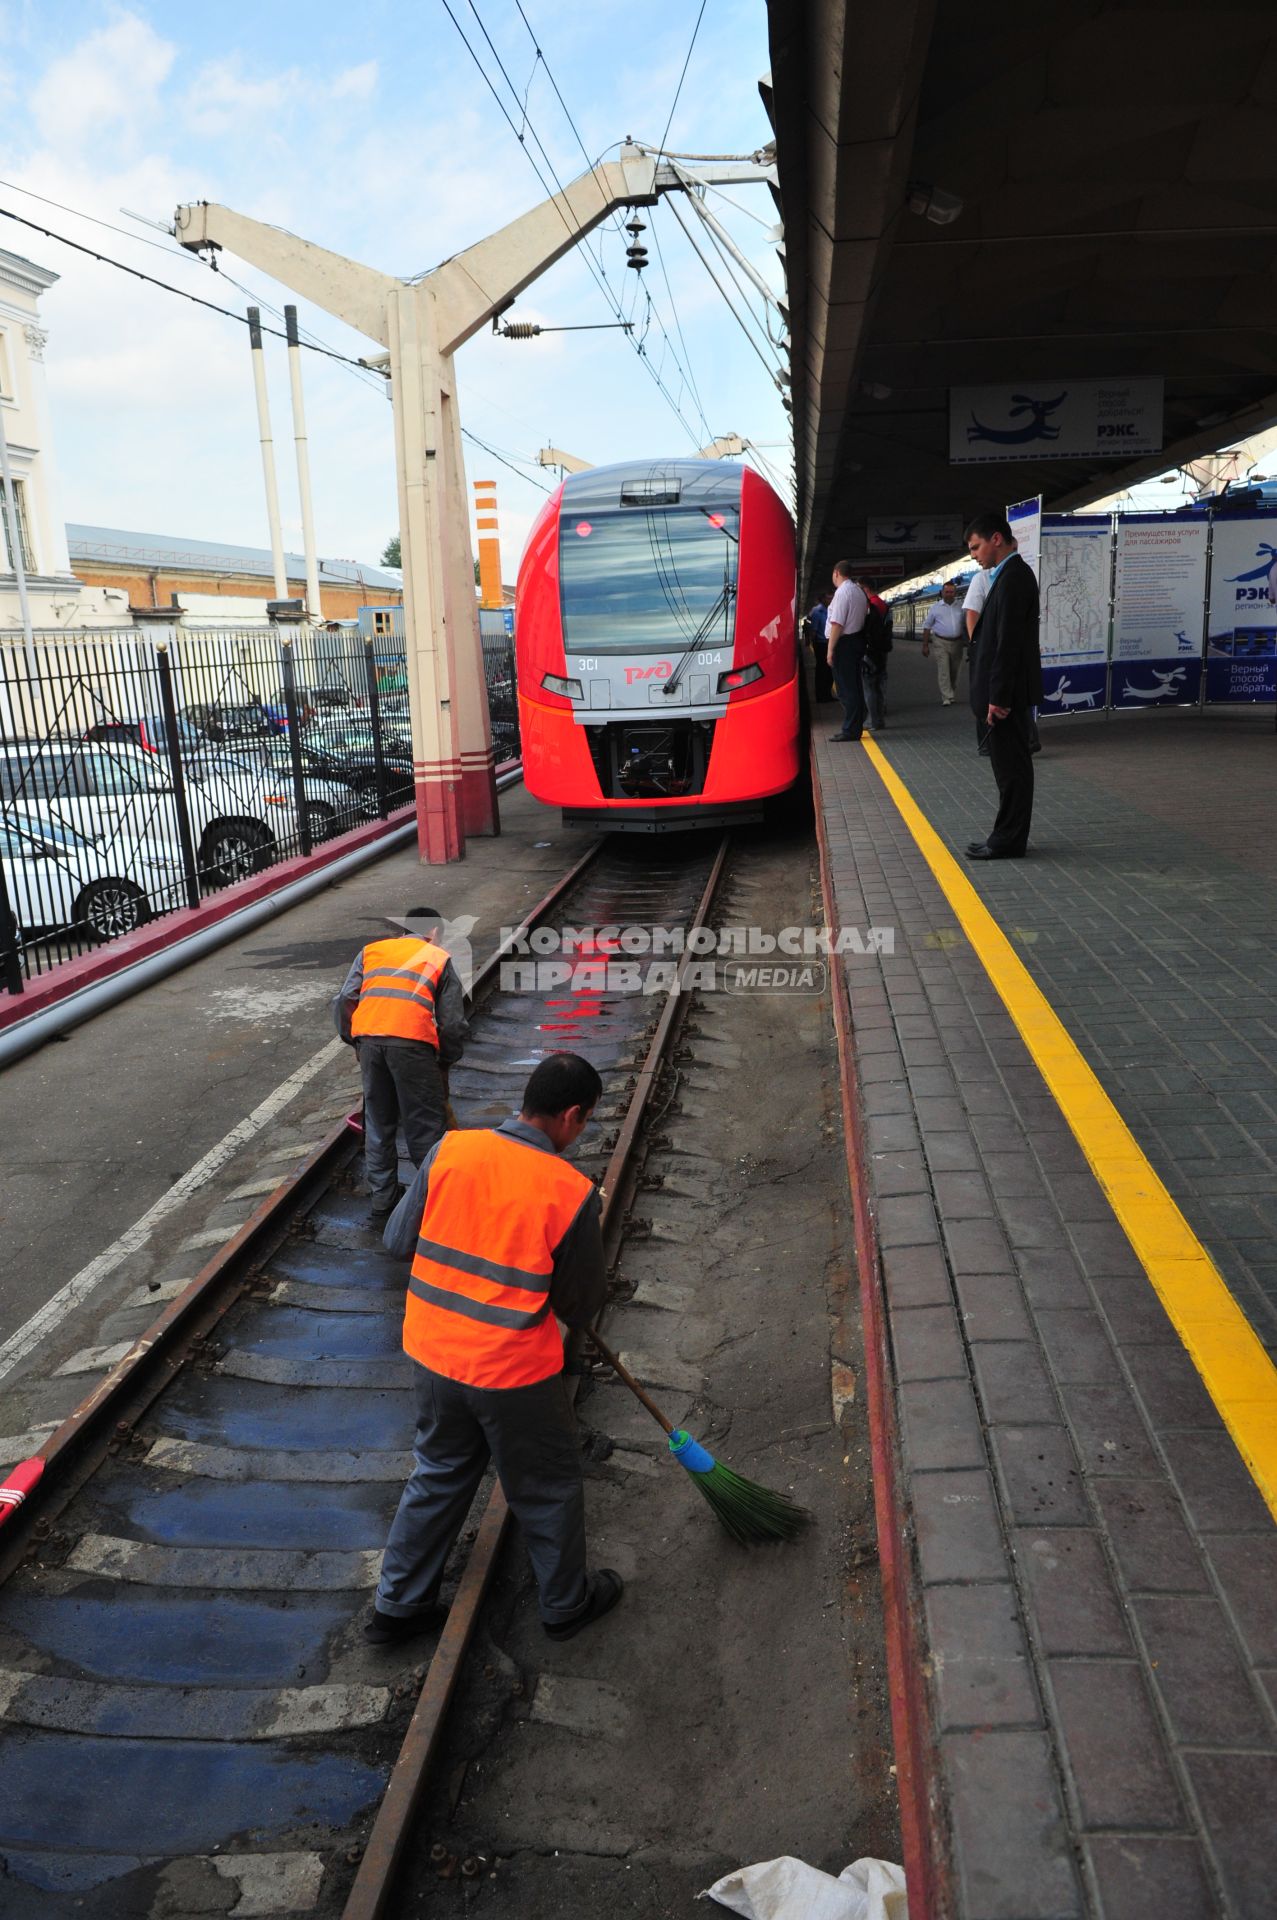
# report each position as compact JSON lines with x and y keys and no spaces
{"x":1097,"y":1573}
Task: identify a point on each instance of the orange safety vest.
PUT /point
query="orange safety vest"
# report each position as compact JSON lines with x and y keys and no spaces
{"x":478,"y":1306}
{"x":397,"y":997}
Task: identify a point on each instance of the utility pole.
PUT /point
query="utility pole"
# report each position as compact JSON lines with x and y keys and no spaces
{"x":268,"y":453}
{"x":422,"y":323}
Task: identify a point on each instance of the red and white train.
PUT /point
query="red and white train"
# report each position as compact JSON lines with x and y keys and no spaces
{"x":655,"y":645}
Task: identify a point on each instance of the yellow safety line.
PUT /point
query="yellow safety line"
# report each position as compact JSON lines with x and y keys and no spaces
{"x":1238,"y":1373}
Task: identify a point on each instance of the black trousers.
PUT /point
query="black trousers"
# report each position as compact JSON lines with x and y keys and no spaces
{"x":824,"y":675}
{"x":402,"y":1087}
{"x":528,"y":1434}
{"x":1010,"y":748}
{"x":849,"y":660}
{"x":875,"y":679}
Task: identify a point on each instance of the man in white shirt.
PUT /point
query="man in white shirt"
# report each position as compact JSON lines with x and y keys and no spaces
{"x":946,"y":624}
{"x":977,"y":594}
{"x":845,"y":649}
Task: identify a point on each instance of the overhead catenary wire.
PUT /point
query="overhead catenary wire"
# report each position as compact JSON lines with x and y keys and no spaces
{"x":166,"y":286}
{"x":771,"y":371}
{"x":685,"y":368}
{"x":682,"y":76}
{"x":556,"y":199}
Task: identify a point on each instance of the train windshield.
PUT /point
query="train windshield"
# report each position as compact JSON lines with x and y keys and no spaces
{"x":648,"y":580}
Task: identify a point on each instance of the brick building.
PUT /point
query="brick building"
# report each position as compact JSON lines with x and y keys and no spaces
{"x":156,"y":568}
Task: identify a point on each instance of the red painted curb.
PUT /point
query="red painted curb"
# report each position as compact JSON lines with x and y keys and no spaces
{"x":910,"y":1716}
{"x":87,"y":969}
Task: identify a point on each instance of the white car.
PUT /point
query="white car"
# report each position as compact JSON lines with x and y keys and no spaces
{"x":59,"y":882}
{"x":122,"y":798}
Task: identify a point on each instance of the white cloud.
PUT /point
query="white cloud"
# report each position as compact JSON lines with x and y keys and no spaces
{"x":107,"y":83}
{"x":356,"y":83}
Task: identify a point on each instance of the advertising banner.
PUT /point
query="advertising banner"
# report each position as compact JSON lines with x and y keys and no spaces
{"x":1074,"y":575}
{"x":1055,"y":420}
{"x":915,"y":533}
{"x":1241,"y":631}
{"x":1159,"y":590}
{"x":1025,"y":522}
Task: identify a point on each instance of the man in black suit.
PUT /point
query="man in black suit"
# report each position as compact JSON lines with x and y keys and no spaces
{"x":1006,"y":682}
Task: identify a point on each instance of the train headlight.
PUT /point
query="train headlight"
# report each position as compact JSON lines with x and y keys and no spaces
{"x":555,"y":683}
{"x":739,"y":677}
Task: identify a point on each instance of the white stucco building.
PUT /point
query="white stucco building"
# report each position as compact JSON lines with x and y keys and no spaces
{"x":58,"y":600}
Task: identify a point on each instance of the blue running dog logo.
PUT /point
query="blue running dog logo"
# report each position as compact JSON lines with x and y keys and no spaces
{"x":902,"y":534}
{"x":1038,"y":428}
{"x":1266,"y":554}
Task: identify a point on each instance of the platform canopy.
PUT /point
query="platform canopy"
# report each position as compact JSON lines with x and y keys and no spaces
{"x":1110,"y":177}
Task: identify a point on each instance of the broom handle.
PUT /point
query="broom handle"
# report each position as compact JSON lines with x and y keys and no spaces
{"x":622,"y":1372}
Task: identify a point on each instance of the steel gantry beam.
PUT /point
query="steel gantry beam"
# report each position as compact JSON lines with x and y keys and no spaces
{"x":421,"y":324}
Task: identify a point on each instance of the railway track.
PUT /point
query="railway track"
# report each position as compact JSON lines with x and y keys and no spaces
{"x":190,"y":1720}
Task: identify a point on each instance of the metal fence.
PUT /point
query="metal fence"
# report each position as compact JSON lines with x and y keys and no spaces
{"x":139,"y":773}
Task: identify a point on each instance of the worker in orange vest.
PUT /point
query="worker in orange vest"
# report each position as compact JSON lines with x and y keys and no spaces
{"x":504,"y":1236}
{"x":402,"y":1008}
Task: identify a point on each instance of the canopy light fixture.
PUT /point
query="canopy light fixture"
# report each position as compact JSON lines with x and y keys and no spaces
{"x":933,"y":203}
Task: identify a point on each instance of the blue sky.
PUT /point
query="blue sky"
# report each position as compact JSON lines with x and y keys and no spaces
{"x":373,"y":133}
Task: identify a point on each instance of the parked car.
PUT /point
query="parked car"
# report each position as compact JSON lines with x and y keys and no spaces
{"x":60,"y":882}
{"x":326,"y":800}
{"x":149,"y":733}
{"x":219,"y":720}
{"x":122,"y":797}
{"x":345,"y":752}
{"x":330,"y":805}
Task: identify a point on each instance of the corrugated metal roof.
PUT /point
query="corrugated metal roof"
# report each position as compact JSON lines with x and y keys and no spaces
{"x":119,"y":547}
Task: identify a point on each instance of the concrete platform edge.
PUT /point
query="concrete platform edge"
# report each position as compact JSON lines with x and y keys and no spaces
{"x":914,"y":1736}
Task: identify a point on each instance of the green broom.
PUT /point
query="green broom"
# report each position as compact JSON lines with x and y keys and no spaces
{"x":750,"y":1513}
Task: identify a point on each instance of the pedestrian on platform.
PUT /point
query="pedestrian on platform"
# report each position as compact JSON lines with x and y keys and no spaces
{"x":977,"y":594}
{"x":1006,"y":682}
{"x":814,"y":630}
{"x":845,"y":650}
{"x":878,"y":644}
{"x":402,"y":1009}
{"x":504,"y":1236}
{"x":946,"y":624}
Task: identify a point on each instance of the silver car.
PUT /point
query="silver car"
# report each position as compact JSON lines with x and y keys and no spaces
{"x":58,"y":881}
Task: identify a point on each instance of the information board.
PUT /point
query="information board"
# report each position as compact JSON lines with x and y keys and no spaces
{"x":1055,"y":420}
{"x":1159,"y":590}
{"x":1074,"y":575}
{"x":1241,"y":632}
{"x":1024,"y":518}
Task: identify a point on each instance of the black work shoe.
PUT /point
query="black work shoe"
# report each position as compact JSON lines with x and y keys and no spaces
{"x":976,"y":846}
{"x":606,"y":1589}
{"x":381,"y":1210}
{"x":388,"y":1629}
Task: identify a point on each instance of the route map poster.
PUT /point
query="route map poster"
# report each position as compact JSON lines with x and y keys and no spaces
{"x":1074,"y":578}
{"x":1241,"y":633}
{"x":1159,"y":590}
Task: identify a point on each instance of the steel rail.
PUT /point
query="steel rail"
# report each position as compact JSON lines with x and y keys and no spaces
{"x":109,"y":1411}
{"x":392,"y":1828}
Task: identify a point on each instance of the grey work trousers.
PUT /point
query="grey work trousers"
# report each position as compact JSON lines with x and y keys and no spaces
{"x":528,"y":1434}
{"x":402,"y":1086}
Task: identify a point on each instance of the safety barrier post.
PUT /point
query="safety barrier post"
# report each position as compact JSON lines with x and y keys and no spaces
{"x":289,"y":675}
{"x":374,"y":715}
{"x":10,"y":958}
{"x":186,"y":838}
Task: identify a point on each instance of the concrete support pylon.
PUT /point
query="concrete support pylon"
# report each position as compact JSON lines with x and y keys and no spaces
{"x":421,"y":440}
{"x":480,"y":812}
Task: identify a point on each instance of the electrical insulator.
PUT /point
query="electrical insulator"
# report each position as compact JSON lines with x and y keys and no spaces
{"x":520,"y":330}
{"x":635,"y":255}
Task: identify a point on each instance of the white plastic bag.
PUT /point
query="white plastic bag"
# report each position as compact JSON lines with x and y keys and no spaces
{"x":788,"y":1889}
